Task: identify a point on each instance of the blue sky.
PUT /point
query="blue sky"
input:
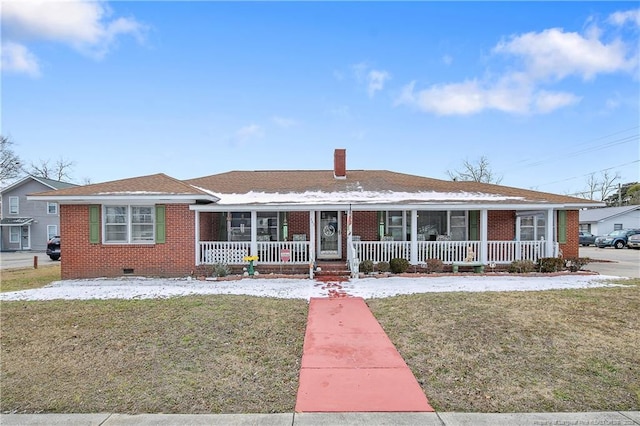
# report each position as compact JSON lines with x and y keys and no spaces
{"x":548,"y":92}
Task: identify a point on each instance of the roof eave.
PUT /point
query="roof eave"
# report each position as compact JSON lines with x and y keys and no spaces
{"x":148,"y":198}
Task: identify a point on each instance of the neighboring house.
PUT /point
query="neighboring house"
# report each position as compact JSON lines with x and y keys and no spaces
{"x":28,"y":224}
{"x":604,"y":220}
{"x":294,"y":220}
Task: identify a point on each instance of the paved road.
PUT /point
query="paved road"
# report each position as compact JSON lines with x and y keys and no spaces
{"x":623,"y":262}
{"x":24,"y":259}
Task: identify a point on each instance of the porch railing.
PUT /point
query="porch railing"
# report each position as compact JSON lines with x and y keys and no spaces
{"x":234,"y":252}
{"x":297,"y":252}
{"x":499,"y":252}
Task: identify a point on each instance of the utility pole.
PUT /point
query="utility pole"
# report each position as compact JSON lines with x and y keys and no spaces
{"x":619,"y":194}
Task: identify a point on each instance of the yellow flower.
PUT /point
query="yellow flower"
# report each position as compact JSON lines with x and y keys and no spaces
{"x":250,"y":258}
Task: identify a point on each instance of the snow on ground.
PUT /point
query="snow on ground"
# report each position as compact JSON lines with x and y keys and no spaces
{"x":151,"y":288}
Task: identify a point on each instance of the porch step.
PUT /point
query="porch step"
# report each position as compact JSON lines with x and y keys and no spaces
{"x":332,"y":270}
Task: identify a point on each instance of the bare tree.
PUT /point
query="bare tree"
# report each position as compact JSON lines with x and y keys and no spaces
{"x":59,"y":170}
{"x":480,"y":171}
{"x":10,"y":164}
{"x":600,"y":188}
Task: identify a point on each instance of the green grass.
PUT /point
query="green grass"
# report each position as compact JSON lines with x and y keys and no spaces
{"x":220,"y":354}
{"x":28,"y":278}
{"x":561,"y":350}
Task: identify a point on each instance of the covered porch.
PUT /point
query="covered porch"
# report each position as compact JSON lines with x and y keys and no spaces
{"x":298,"y":239}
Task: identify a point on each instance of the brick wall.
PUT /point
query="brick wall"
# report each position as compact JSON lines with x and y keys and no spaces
{"x":298,"y":223}
{"x":80,"y":259}
{"x":501,"y":225}
{"x":572,"y":246}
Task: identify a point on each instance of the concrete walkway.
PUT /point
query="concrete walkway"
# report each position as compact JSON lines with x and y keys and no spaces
{"x":350,"y":365}
{"x":311,"y":419}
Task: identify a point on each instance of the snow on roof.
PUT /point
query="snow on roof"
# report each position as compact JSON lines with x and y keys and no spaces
{"x":361,"y":197}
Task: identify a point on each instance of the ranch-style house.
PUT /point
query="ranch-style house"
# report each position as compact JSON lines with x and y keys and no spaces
{"x":294,"y":220}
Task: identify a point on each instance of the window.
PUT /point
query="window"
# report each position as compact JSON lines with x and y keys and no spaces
{"x":52,"y":231}
{"x":532,"y":227}
{"x":129,"y":224}
{"x":267,"y":226}
{"x":52,"y":208}
{"x":14,"y":234}
{"x":431,"y":224}
{"x":239,"y":226}
{"x":617,"y":226}
{"x":395,"y":225}
{"x":13,"y":205}
{"x":458,"y":225}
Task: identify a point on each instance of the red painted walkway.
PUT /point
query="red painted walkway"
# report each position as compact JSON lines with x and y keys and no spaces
{"x":350,"y":365}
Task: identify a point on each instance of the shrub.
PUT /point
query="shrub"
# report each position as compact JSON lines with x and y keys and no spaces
{"x":522,"y":266}
{"x":383,"y":267}
{"x":435,"y":265}
{"x":366,"y":266}
{"x":574,"y":264}
{"x":550,"y":264}
{"x":399,"y":265}
{"x":221,"y":270}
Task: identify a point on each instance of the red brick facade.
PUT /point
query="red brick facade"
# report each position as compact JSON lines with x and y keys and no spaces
{"x":176,"y":257}
{"x":81,"y":259}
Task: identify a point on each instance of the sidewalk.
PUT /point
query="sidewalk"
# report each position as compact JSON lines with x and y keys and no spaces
{"x":350,"y":365}
{"x":312,"y":419}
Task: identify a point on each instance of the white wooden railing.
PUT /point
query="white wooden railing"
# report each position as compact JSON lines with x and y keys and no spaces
{"x":297,"y":252}
{"x":234,"y":252}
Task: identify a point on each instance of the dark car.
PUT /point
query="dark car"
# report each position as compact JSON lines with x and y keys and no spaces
{"x":617,"y":239}
{"x":587,"y":238}
{"x":53,"y":248}
{"x":634,"y":241}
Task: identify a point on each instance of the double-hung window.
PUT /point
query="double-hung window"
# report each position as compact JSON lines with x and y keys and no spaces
{"x":52,"y":208}
{"x":14,"y":205}
{"x":129,"y":224}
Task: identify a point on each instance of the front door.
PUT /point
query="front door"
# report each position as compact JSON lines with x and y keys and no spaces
{"x":329,"y":243}
{"x":26,"y":238}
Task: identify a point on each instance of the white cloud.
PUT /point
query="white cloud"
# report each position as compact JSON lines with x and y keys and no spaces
{"x":621,"y":18}
{"x":508,"y":95}
{"x":376,"y":81}
{"x":17,"y":58}
{"x":284,"y":122}
{"x":247,"y":134}
{"x":558,"y":54}
{"x":372,"y":78}
{"x":541,"y":59}
{"x":447,"y":59}
{"x":86,"y":26}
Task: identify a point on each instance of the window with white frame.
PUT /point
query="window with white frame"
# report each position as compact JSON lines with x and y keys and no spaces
{"x":14,"y":205}
{"x":129,"y":224}
{"x":52,"y":208}
{"x":532,"y":227}
{"x":52,"y":231}
{"x":14,"y":234}
{"x":239,"y":226}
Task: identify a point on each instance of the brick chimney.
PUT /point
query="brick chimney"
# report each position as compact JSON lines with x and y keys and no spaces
{"x":340,"y":163}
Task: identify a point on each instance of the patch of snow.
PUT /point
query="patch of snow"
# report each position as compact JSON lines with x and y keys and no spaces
{"x":287,"y":288}
{"x":362,"y":197}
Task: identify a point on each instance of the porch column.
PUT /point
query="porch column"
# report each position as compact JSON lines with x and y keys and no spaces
{"x":484,"y":239}
{"x":549,"y":234}
{"x":414,"y":237}
{"x":312,"y":241}
{"x":254,"y":233}
{"x":350,"y":253}
{"x":197,"y":234}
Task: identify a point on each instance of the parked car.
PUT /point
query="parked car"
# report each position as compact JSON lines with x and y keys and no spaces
{"x":634,"y":241}
{"x":53,"y":248}
{"x":587,"y":238}
{"x":617,"y":239}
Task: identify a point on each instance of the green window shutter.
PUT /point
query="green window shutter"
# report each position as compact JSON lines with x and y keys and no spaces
{"x":94,"y":224}
{"x":562,"y":226}
{"x":474,"y":234}
{"x":161,"y":235}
